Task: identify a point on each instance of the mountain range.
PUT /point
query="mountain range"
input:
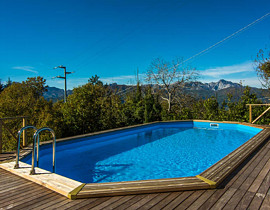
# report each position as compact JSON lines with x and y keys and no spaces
{"x":198,"y":89}
{"x":212,"y":86}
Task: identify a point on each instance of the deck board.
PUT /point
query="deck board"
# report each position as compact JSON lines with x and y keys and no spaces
{"x":201,"y":200}
{"x":157,"y":199}
{"x":187,"y":202}
{"x":165,"y":201}
{"x":178,"y":200}
{"x":247,"y":187}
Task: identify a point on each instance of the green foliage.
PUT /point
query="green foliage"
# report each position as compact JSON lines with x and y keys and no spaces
{"x":25,"y":99}
{"x":8,"y":83}
{"x":211,"y":108}
{"x":81,"y":112}
{"x":1,"y":86}
{"x":94,"y":80}
{"x":263,"y":67}
{"x":152,"y":107}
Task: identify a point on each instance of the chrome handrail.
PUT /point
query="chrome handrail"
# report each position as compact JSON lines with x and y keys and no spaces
{"x":36,"y":135}
{"x":19,"y":143}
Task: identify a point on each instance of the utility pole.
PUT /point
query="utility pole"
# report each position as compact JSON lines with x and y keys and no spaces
{"x":65,"y":78}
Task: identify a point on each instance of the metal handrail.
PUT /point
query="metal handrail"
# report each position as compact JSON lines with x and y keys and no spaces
{"x":19,"y":143}
{"x":36,"y":135}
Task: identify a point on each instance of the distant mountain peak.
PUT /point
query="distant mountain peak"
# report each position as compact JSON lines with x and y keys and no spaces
{"x":215,"y":86}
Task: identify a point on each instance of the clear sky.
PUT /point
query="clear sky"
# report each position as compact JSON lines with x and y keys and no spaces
{"x":114,"y":38}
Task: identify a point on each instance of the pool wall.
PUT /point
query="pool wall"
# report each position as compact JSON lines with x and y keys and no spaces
{"x":177,"y":123}
{"x":208,"y":179}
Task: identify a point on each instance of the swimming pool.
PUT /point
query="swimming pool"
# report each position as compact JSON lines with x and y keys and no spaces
{"x":158,"y":157}
{"x":155,"y":151}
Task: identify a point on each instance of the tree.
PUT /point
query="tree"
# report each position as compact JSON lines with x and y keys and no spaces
{"x":25,"y":99}
{"x":170,"y":76}
{"x":8,"y":82}
{"x":1,"y":86}
{"x":211,"y":108}
{"x":91,"y":107}
{"x":152,"y":108}
{"x":263,"y":68}
{"x":94,"y":80}
{"x":37,"y":85}
{"x":132,"y":111}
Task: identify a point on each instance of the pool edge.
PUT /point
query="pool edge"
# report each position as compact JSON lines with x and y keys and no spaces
{"x":209,"y":179}
{"x":52,"y":181}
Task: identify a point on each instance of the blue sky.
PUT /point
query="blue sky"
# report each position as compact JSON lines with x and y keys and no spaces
{"x":114,"y":38}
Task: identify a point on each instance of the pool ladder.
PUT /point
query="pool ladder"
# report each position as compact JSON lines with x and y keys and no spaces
{"x":36,"y":143}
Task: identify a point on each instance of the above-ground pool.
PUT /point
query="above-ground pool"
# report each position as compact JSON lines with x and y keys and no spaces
{"x":153,"y":151}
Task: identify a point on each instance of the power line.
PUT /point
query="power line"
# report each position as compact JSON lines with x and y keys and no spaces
{"x":228,"y":37}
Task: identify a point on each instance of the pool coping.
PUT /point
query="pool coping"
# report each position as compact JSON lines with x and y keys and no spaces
{"x":208,"y":179}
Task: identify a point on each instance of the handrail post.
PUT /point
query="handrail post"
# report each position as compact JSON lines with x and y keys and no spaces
{"x":18,"y":144}
{"x":250,"y":113}
{"x":24,"y":133}
{"x":1,"y":136}
{"x":36,"y":144}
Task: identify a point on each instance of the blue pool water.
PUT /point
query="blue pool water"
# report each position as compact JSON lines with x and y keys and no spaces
{"x":164,"y":150}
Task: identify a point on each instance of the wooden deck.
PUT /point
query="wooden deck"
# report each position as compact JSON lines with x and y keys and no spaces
{"x":247,"y":187}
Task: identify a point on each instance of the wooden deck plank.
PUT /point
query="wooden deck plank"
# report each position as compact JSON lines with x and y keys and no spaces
{"x":165,"y":201}
{"x":238,"y":178}
{"x":53,"y":196}
{"x":12,"y":183}
{"x":178,"y":200}
{"x":233,"y":202}
{"x":94,"y":203}
{"x":201,"y":200}
{"x":257,"y":162}
{"x":107,"y":203}
{"x":50,"y":201}
{"x":47,"y":198}
{"x":14,"y":189}
{"x":36,"y":193}
{"x":245,"y":201}
{"x":75,"y":204}
{"x":143,"y":201}
{"x":119,"y":202}
{"x":256,"y":201}
{"x":139,"y":187}
{"x":246,"y":184}
{"x":243,"y":182}
{"x":224,"y":199}
{"x":155,"y":200}
{"x":213,"y":199}
{"x":187,"y":202}
{"x":260,"y":165}
{"x":261,"y":193}
{"x":130,"y":202}
{"x":265,"y":185}
{"x":143,"y":189}
{"x":257,"y":183}
{"x":266,"y":203}
{"x":17,"y":197}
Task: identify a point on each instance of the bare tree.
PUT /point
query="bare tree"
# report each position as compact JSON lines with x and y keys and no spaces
{"x":170,"y":76}
{"x":263,"y":68}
